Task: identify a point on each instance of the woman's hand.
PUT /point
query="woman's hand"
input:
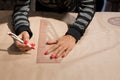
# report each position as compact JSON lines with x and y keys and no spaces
{"x":60,"y":47}
{"x":25,"y":37}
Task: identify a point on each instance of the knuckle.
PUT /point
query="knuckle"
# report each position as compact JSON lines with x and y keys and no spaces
{"x":59,"y":44}
{"x":69,"y":49}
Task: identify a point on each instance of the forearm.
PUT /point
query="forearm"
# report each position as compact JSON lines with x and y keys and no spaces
{"x":85,"y":15}
{"x":20,"y":17}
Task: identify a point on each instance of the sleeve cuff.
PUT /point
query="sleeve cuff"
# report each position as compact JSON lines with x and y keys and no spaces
{"x":23,"y":28}
{"x":73,"y":32}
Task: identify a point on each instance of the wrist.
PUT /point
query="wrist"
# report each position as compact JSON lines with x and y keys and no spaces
{"x":22,"y":29}
{"x":71,"y":38}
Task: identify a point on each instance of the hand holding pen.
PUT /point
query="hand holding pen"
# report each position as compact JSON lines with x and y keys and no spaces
{"x":22,"y":41}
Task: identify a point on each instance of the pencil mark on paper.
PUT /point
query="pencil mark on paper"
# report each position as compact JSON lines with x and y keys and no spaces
{"x":114,"y":21}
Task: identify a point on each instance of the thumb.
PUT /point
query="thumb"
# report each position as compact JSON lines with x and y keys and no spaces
{"x":51,"y":42}
{"x":25,"y":36}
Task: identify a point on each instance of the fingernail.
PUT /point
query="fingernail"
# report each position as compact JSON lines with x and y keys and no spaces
{"x":32,"y":44}
{"x":52,"y":56}
{"x":56,"y":56}
{"x":26,"y":41}
{"x":63,"y":55}
{"x":46,"y":53}
{"x":26,"y":46}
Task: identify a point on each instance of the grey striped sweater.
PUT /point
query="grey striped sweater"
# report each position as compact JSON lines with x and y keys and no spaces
{"x":84,"y":8}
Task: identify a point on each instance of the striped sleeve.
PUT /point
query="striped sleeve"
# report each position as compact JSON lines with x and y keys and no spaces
{"x":86,"y":12}
{"x":20,"y":17}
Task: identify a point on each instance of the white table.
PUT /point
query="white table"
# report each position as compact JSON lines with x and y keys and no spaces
{"x":95,"y":57}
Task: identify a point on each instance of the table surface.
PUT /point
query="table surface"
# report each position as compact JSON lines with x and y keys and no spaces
{"x":95,"y":57}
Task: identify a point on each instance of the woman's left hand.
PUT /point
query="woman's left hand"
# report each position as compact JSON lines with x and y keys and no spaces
{"x":61,"y":47}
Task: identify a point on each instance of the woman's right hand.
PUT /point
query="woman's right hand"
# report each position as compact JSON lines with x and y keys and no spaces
{"x":26,"y":38}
